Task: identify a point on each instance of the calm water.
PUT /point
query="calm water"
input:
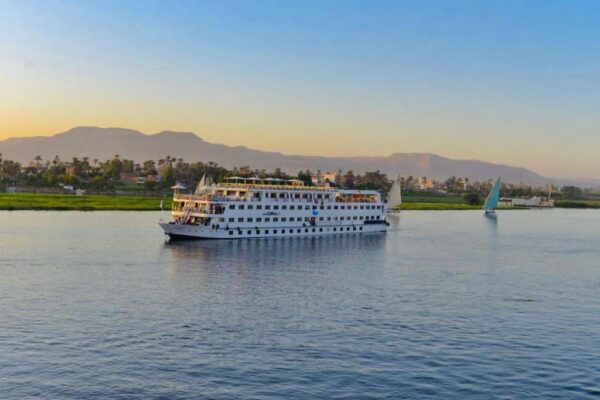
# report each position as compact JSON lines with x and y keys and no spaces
{"x":445,"y":305}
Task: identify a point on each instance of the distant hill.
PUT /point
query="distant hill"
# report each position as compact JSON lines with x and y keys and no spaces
{"x":104,"y":143}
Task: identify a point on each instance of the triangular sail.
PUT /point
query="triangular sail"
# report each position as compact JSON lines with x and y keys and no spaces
{"x":491,"y":202}
{"x":201,"y":184}
{"x":395,"y":194}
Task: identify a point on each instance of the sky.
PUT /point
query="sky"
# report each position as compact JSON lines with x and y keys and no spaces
{"x":512,"y":82}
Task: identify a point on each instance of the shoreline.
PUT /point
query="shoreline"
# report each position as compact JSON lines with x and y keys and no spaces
{"x":69,"y":202}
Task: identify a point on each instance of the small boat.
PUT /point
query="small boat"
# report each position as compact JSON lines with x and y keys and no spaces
{"x":491,"y":202}
{"x":394,"y":199}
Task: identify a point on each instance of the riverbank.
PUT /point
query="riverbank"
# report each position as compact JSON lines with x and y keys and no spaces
{"x":36,"y":201}
{"x":29,"y":201}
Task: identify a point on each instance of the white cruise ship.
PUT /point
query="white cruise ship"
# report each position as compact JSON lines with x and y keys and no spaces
{"x":253,"y":207}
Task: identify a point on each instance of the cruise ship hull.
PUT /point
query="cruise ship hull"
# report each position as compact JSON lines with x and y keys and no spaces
{"x":187,"y":232}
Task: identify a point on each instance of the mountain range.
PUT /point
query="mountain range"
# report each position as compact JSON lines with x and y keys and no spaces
{"x":104,"y":143}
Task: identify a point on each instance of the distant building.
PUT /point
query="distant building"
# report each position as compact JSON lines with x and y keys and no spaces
{"x":424,"y":183}
{"x":537,"y":201}
{"x":70,"y":170}
{"x":321,"y":178}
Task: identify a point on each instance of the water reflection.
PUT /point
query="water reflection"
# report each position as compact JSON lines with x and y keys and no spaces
{"x":192,"y":257}
{"x":492,"y":221}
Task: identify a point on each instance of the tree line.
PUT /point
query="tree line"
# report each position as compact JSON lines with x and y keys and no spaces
{"x":160,"y":175}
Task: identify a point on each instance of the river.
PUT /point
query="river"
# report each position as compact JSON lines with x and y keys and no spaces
{"x":444,"y":305}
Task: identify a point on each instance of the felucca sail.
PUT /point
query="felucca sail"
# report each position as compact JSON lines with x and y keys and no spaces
{"x":395,"y":194}
{"x":491,"y":202}
{"x":201,"y":185}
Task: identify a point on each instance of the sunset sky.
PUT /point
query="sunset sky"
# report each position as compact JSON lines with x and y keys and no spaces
{"x":510,"y":82}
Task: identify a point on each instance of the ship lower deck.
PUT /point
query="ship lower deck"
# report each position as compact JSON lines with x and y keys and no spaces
{"x":183,"y":231}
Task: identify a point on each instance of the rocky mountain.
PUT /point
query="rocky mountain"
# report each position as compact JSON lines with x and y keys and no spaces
{"x":104,"y":143}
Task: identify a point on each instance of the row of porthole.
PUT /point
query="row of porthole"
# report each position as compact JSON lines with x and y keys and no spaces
{"x":306,"y":230}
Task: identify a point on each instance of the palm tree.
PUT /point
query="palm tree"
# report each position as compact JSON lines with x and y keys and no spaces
{"x":38,"y":160}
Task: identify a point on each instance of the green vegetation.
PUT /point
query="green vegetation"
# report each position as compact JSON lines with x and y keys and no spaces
{"x":433,"y":198}
{"x":436,"y":201}
{"x":439,"y":206}
{"x":22,"y":201}
{"x":589,"y":203}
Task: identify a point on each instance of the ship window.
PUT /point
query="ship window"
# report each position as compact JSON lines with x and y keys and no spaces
{"x":342,"y":207}
{"x":321,"y":218}
{"x":329,"y":207}
{"x":361,"y":228}
{"x":250,"y":206}
{"x":378,"y":217}
{"x":334,"y":229}
{"x":241,"y":206}
{"x":321,"y":207}
{"x":221,"y":219}
{"x":281,"y":195}
{"x":361,"y":217}
{"x":258,"y":219}
{"x":292,"y":207}
{"x":307,"y":207}
{"x":284,"y":207}
{"x":355,"y":218}
{"x":267,"y":219}
{"x":232,"y":207}
{"x":348,"y":228}
{"x":266,"y":231}
{"x":335,"y":207}
{"x":299,"y":230}
{"x":362,"y":207}
{"x":291,"y":231}
{"x":341,"y":218}
{"x":258,"y":231}
{"x":328,"y":218}
{"x":306,"y":230}
{"x":267,"y":207}
{"x":275,"y":231}
{"x":283,"y":219}
{"x":275,"y":207}
{"x":231,"y":219}
{"x":313,"y":229}
{"x":249,"y":232}
{"x":249,"y":219}
{"x":353,"y":228}
{"x":231,"y":232}
{"x":240,"y":219}
{"x":275,"y":219}
{"x":258,"y":207}
{"x":314,"y":207}
{"x":320,"y":229}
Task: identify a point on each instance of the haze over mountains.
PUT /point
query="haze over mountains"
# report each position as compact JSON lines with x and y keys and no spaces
{"x":104,"y":143}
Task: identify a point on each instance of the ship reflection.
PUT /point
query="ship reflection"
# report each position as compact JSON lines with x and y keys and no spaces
{"x":208,"y":257}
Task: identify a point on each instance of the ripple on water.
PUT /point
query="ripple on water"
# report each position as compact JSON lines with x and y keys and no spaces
{"x":445,"y":305}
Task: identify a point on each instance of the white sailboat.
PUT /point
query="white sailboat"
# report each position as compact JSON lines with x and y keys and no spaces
{"x":394,"y":199}
{"x":203,"y":185}
{"x":491,"y":202}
